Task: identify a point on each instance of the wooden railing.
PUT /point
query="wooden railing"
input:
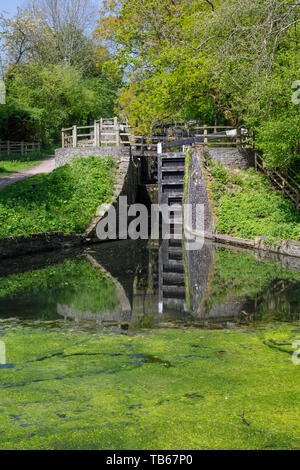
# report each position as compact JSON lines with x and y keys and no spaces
{"x":222,"y":136}
{"x":283,"y":180}
{"x":115,"y":132}
{"x":102,"y":132}
{"x":216,"y":136}
{"x":108,"y":132}
{"x":10,"y":148}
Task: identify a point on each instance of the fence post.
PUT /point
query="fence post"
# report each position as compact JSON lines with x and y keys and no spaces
{"x":74,"y":136}
{"x":117,"y":131}
{"x":238,"y":139}
{"x":97,"y":133}
{"x":205,"y":134}
{"x":62,"y":139}
{"x":100,"y":132}
{"x":8,"y":147}
{"x":22,"y":148}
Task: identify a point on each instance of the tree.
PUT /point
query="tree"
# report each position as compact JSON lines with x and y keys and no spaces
{"x":56,"y":96}
{"x":52,"y":31}
{"x":55,"y":75}
{"x":234,"y":59}
{"x":70,"y":22}
{"x":150,"y":40}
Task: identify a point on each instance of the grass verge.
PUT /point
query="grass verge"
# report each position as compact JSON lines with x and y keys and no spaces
{"x":64,"y":201}
{"x":16,"y":164}
{"x":247,"y":205}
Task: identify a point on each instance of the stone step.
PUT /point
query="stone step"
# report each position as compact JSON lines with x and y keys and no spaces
{"x":177,"y":221}
{"x":175,"y":292}
{"x":175,"y":249}
{"x":173,"y":169}
{"x":171,"y":163}
{"x":172,"y":279}
{"x":174,"y":302}
{"x":174,"y":201}
{"x":173,"y":155}
{"x":173,"y":187}
{"x":171,"y":192}
{"x":175,"y":253}
{"x":174,"y":267}
{"x":175,"y":242}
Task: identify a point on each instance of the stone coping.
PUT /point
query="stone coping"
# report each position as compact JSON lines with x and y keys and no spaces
{"x":281,"y":247}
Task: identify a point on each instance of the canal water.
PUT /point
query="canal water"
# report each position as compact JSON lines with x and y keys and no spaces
{"x":148,"y":345}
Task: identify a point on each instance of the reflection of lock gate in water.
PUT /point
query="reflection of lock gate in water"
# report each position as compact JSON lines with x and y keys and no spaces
{"x":2,"y":353}
{"x":296,"y":354}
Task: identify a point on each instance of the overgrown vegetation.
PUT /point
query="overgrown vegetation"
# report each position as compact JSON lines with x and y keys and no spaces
{"x":240,"y":275}
{"x":247,"y":205}
{"x":65,"y":200}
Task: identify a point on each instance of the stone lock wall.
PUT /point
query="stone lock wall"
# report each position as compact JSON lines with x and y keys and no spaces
{"x":196,"y":193}
{"x":231,"y":158}
{"x":66,"y":155}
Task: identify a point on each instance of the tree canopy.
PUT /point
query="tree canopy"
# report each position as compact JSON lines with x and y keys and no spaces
{"x":54,"y":72}
{"x":211,"y":60}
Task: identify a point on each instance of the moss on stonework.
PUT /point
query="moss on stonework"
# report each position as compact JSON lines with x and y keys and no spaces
{"x":165,"y":389}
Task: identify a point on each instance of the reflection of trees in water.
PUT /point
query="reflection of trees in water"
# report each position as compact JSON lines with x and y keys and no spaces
{"x":226,"y":284}
{"x":74,"y":282}
{"x":107,"y":301}
{"x":123,"y":282}
{"x":281,"y":301}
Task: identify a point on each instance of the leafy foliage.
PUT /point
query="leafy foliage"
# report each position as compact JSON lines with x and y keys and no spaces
{"x":57,"y":96}
{"x":210,"y":60}
{"x":54,"y":73}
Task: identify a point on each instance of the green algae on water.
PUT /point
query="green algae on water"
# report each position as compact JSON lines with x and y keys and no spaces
{"x":74,"y":389}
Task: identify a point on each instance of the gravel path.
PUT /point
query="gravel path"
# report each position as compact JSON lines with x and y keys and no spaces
{"x":47,"y":166}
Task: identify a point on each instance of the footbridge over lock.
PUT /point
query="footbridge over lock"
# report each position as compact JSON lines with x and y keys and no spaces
{"x":111,"y":136}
